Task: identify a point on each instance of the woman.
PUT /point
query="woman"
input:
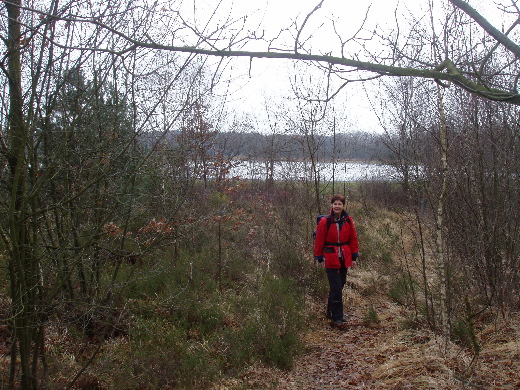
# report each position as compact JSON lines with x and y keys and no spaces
{"x":336,"y":247}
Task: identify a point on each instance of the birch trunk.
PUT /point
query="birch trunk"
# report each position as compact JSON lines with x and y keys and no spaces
{"x":439,"y":222}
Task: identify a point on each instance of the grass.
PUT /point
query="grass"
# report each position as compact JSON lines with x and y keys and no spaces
{"x":371,"y":318}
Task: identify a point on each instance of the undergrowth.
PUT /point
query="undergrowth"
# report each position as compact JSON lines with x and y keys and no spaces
{"x":235,"y":292}
{"x":191,"y":323}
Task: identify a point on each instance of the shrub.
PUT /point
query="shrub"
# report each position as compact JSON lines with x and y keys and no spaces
{"x":371,"y":317}
{"x":271,"y":323}
{"x":402,"y":289}
{"x":159,"y":355}
{"x":197,"y":335}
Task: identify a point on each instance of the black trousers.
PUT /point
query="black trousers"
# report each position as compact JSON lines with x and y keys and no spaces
{"x":337,"y":279}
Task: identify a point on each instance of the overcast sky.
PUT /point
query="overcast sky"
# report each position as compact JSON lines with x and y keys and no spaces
{"x":269,"y":79}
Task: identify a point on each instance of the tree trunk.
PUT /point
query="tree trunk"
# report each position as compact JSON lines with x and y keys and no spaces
{"x":439,"y":242}
{"x":23,"y":264}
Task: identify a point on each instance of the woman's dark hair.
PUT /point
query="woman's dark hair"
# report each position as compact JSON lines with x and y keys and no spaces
{"x":339,"y":197}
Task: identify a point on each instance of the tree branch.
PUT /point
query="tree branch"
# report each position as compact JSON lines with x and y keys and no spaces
{"x":488,"y":27}
{"x":297,"y":40}
{"x":452,"y":74}
{"x":446,"y":71}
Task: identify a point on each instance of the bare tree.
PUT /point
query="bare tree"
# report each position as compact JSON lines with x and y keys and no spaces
{"x":440,"y":247}
{"x":309,"y":122}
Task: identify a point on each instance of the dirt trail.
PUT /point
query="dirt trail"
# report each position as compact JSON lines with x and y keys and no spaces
{"x":384,"y":356}
{"x":339,"y":359}
{"x":334,"y":358}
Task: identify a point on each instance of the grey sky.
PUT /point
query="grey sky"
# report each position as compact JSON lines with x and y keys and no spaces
{"x":269,"y":80}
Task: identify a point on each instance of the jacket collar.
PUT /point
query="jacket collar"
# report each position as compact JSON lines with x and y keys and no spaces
{"x":343,"y":218}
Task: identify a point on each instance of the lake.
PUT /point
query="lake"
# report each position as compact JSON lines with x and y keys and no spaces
{"x":298,"y":170}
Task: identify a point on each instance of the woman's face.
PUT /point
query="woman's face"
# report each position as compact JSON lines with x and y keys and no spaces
{"x":337,"y":207}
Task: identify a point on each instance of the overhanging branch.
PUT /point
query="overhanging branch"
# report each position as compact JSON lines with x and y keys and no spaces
{"x":452,"y":75}
{"x":446,"y":72}
{"x":488,"y":27}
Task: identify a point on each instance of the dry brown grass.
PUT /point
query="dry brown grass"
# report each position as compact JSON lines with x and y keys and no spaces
{"x":388,"y":356}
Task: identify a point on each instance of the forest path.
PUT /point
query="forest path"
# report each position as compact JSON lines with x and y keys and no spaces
{"x":340,"y":358}
{"x":385,"y":355}
{"x":335,"y":358}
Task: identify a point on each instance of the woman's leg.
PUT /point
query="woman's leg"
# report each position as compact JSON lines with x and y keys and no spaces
{"x":335,"y":301}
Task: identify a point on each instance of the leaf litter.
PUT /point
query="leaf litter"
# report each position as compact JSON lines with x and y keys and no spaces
{"x":385,"y":355}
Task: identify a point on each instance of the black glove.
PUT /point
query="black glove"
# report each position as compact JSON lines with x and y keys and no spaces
{"x":319,"y":259}
{"x":355,"y":256}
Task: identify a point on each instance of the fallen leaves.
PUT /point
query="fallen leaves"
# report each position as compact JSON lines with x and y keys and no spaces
{"x":387,"y":357}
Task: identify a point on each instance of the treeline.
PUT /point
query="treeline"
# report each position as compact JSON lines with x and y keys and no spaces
{"x":354,"y":146}
{"x":460,"y":180}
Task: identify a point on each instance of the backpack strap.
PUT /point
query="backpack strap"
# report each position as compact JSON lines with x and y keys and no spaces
{"x":329,"y":221}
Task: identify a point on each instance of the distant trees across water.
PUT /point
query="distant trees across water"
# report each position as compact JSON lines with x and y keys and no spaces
{"x":354,"y":146}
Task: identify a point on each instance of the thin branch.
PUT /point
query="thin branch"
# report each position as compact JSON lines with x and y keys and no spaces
{"x":488,"y":55}
{"x":488,"y":27}
{"x":355,"y":35}
{"x":296,"y":41}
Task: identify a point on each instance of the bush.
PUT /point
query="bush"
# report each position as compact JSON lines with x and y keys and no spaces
{"x":160,"y":355}
{"x":152,"y":283}
{"x":229,"y":295}
{"x":193,"y":338}
{"x":402,"y":289}
{"x":271,"y":323}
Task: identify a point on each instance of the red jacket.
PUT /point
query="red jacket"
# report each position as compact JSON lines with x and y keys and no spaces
{"x":329,"y":240}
